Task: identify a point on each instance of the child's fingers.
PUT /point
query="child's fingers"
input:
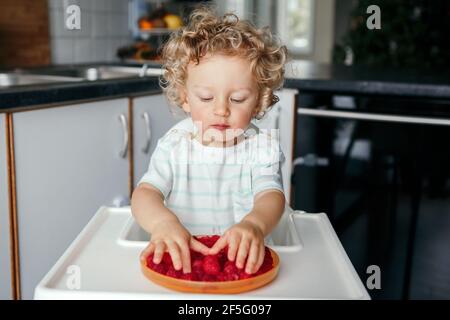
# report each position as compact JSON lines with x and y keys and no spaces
{"x":174,"y":252}
{"x":185,"y":257}
{"x":233,"y":246}
{"x":219,"y":245}
{"x":198,"y":246}
{"x":262,"y":252}
{"x":159,"y":251}
{"x":147,"y":251}
{"x":244,"y":247}
{"x":252,"y":259}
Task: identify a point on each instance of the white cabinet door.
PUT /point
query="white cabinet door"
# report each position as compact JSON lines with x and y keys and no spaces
{"x":281,"y":117}
{"x":5,"y":255}
{"x":67,"y":166}
{"x":152,"y":118}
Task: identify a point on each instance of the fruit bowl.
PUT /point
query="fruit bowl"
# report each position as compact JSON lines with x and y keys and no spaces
{"x":217,"y":287}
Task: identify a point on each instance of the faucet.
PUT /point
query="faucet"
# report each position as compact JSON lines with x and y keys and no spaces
{"x":143,"y":70}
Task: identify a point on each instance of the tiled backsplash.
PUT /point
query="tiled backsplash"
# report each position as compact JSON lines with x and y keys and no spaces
{"x":104,"y":28}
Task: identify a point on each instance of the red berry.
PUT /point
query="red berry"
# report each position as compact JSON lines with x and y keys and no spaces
{"x":211,"y":265}
{"x":197,"y":265}
{"x":160,"y":268}
{"x":171,"y":272}
{"x":208,"y":278}
{"x":189,"y":276}
{"x":232,"y":277}
{"x":150,"y":262}
{"x":230,"y":267}
{"x":245,"y":275}
{"x":167,"y":259}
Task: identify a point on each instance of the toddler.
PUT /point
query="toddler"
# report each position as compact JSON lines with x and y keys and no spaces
{"x":215,"y":172}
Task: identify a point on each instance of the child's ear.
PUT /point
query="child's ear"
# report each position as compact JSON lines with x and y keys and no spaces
{"x":184,"y":99}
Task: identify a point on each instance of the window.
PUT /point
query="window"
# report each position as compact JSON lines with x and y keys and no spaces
{"x":295,"y":24}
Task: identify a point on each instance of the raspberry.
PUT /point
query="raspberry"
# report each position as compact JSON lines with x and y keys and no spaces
{"x":189,"y":276}
{"x":221,"y":277}
{"x":208,"y":241}
{"x":160,"y":268}
{"x":230,"y":268}
{"x":171,"y":272}
{"x":211,"y":265}
{"x":232,"y":277}
{"x":150,"y":262}
{"x":209,"y":268}
{"x":197,"y":265}
{"x":167,"y":259}
{"x":244,"y":275}
{"x":208,"y":278}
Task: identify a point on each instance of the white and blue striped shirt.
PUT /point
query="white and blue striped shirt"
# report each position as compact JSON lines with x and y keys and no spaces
{"x":212,"y":188}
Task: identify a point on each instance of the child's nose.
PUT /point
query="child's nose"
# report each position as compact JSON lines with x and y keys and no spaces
{"x":221,"y":109}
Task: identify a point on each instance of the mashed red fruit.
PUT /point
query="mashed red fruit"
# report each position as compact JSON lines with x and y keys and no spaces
{"x":211,"y":267}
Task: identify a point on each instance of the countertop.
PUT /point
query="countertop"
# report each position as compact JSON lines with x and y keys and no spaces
{"x":302,"y":75}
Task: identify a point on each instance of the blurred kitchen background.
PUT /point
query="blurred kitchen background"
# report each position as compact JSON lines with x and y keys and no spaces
{"x":371,"y":141}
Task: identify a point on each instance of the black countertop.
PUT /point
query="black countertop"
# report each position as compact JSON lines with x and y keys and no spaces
{"x":340,"y":79}
{"x":302,"y":75}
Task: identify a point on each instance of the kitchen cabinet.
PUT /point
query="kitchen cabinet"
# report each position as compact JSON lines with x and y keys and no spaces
{"x":5,"y":261}
{"x":69,"y":161}
{"x":282,"y":117}
{"x":152,"y":118}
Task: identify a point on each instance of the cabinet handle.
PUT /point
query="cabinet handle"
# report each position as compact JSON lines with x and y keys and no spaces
{"x":311,"y":160}
{"x":148,"y":132}
{"x":123,"y":121}
{"x":372,"y":116}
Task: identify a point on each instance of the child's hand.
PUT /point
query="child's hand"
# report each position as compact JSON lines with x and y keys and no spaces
{"x":172,"y":236}
{"x":243,"y":239}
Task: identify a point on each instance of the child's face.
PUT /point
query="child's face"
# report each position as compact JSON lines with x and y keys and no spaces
{"x":220,"y":90}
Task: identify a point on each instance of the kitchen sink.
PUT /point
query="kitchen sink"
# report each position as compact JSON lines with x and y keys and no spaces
{"x":103,"y":72}
{"x":19,"y":79}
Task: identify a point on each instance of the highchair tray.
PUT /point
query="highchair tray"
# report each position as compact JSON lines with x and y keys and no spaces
{"x":103,"y":263}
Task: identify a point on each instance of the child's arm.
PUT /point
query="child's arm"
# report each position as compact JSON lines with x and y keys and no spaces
{"x":167,"y":233}
{"x":245,"y":240}
{"x":267,"y":210}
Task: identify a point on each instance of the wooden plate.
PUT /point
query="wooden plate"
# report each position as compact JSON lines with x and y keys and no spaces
{"x":222,"y":287}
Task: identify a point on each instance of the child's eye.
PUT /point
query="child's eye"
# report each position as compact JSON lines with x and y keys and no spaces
{"x":237,"y":101}
{"x":205,"y":99}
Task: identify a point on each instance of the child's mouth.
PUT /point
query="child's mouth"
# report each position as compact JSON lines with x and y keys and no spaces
{"x":220,"y":127}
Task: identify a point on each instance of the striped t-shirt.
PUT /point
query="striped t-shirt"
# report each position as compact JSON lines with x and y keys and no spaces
{"x":212,"y":188}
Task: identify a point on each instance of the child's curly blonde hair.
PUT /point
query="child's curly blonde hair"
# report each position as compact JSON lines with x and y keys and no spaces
{"x":208,"y":33}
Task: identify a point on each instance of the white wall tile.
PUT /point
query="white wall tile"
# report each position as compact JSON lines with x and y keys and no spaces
{"x":115,"y":5}
{"x":86,"y":24}
{"x":104,"y":28}
{"x":56,"y":21}
{"x":124,"y":6}
{"x":100,"y":5}
{"x":82,"y":50}
{"x":99,"y":24}
{"x":113,"y":24}
{"x":100,"y":47}
{"x":85,"y":5}
{"x":64,"y":50}
{"x":54,"y":3}
{"x":123,"y":26}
